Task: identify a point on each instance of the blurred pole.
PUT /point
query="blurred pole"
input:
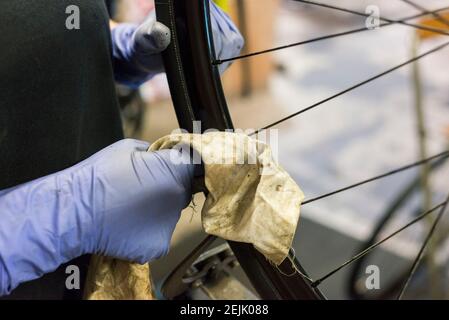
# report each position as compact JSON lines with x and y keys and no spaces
{"x":425,"y":169}
{"x":246,"y":89}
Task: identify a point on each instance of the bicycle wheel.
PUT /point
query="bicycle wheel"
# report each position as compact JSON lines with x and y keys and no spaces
{"x":197,"y":94}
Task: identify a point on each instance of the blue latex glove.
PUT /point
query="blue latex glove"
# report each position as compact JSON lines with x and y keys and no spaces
{"x":123,"y":202}
{"x":227,"y":39}
{"x":137,"y":49}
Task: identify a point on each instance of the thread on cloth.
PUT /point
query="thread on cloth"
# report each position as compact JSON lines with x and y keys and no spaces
{"x":193,"y":206}
{"x":291,"y":257}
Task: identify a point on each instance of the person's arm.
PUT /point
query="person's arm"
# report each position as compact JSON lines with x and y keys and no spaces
{"x":123,"y":202}
{"x":137,"y":49}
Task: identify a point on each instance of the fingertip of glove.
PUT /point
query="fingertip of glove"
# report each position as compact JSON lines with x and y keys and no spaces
{"x":161,"y":36}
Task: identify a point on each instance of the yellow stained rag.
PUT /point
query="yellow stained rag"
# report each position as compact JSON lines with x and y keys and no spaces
{"x":251,"y":199}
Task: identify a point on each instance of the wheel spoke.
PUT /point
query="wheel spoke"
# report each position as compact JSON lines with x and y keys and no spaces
{"x":444,"y":154}
{"x":375,"y":245}
{"x":424,"y":10}
{"x":420,"y":255}
{"x":326,"y":37}
{"x":315,"y":105}
{"x":416,"y":26}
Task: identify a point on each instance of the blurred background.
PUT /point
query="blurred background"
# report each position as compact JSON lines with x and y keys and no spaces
{"x":371,"y":130}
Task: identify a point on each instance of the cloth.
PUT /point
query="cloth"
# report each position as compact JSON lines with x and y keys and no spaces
{"x":113,"y":279}
{"x":58,"y":104}
{"x":251,"y":198}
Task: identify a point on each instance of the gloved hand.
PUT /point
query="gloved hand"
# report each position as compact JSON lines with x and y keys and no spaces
{"x":122,"y":202}
{"x":227,"y":39}
{"x":137,"y":49}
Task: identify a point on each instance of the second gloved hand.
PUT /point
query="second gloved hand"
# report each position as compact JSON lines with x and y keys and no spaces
{"x":122,"y":202}
{"x":136,"y":50}
{"x":137,"y":199}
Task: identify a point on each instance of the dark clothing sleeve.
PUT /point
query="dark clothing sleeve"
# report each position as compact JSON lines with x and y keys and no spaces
{"x":57,"y":97}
